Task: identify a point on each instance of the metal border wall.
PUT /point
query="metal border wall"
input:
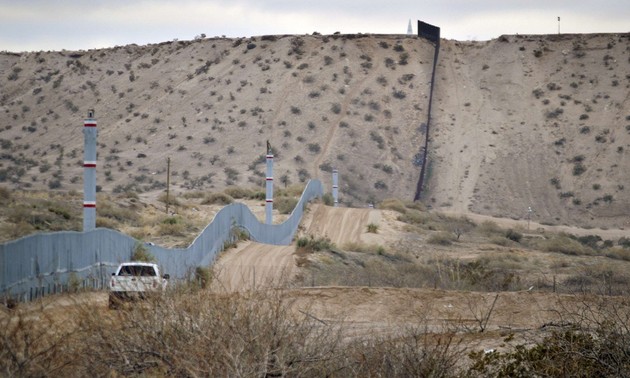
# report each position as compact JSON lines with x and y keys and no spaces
{"x":44,"y":263}
{"x":431,"y":33}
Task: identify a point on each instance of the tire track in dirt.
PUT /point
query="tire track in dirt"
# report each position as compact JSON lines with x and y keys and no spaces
{"x":340,"y":225}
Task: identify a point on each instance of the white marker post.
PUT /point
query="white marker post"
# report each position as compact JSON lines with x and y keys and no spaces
{"x":89,"y":172}
{"x":335,"y":187}
{"x":269,"y":187}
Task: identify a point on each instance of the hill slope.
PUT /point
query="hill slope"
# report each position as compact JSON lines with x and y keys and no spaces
{"x":521,"y":121}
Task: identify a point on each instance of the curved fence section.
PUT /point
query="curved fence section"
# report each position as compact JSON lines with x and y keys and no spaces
{"x":47,"y":263}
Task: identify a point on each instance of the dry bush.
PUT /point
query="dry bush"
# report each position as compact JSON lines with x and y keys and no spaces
{"x":5,"y":195}
{"x":217,"y":199}
{"x":500,"y":240}
{"x":617,"y":253}
{"x":237,"y":192}
{"x":192,"y":332}
{"x":364,"y":248}
{"x":35,"y":343}
{"x":412,"y":352}
{"x":196,"y":333}
{"x":441,"y":238}
{"x":102,"y":222}
{"x":415,"y":217}
{"x":172,"y":200}
{"x":117,"y":213}
{"x":285,"y":205}
{"x":417,"y":205}
{"x":489,"y":228}
{"x":173,"y":226}
{"x":290,"y":191}
{"x":393,"y":204}
{"x":563,"y":244}
{"x":593,"y":343}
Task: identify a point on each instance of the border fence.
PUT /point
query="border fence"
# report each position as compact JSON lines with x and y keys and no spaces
{"x":431,"y":33}
{"x":48,"y":263}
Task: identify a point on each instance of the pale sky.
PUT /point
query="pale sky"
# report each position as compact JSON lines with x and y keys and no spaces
{"x":33,"y":25}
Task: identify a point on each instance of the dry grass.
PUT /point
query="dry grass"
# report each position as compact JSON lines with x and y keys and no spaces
{"x":191,"y":332}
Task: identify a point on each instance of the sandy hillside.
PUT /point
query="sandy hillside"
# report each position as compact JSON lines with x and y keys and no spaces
{"x":520,"y":121}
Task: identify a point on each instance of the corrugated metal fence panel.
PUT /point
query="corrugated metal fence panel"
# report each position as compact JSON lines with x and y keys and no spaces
{"x":47,"y":260}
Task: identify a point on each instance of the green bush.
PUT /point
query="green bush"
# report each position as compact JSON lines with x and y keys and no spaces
{"x":203,"y":276}
{"x":285,"y":205}
{"x":328,"y":199}
{"x":372,"y":228}
{"x":312,"y":244}
{"x":140,"y":253}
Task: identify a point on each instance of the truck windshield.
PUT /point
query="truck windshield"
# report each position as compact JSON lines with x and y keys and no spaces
{"x":137,"y":270}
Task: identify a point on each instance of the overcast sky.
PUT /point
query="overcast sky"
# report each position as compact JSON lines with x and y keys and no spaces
{"x":33,"y":25}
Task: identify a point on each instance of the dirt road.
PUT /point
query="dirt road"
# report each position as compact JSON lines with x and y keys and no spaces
{"x":609,"y":234}
{"x":254,"y":265}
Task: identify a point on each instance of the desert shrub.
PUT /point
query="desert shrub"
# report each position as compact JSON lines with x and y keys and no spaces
{"x":574,"y":352}
{"x":500,"y":240}
{"x":399,"y":94}
{"x":372,"y":228}
{"x":236,"y":192}
{"x":311,"y":244}
{"x":564,"y":244}
{"x":624,"y":242}
{"x":416,"y":205}
{"x":413,"y":216}
{"x":441,"y":238}
{"x":364,"y":248}
{"x":172,"y":200}
{"x":173,"y":226}
{"x":141,"y":253}
{"x":285,"y":205}
{"x":393,"y":204}
{"x":203,"y":276}
{"x":217,"y":199}
{"x":5,"y":194}
{"x":314,"y":147}
{"x":618,"y":253}
{"x":328,"y":199}
{"x":578,"y":169}
{"x":108,"y":209}
{"x":513,"y":235}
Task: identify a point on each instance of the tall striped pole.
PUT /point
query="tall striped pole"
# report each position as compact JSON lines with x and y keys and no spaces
{"x":89,"y":172}
{"x":269,"y":182}
{"x":335,"y":187}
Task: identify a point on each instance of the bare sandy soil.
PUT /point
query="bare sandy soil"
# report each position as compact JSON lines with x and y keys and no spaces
{"x":526,"y":315}
{"x":253,"y":265}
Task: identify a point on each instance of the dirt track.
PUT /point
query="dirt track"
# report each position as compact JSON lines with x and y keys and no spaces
{"x":254,"y":265}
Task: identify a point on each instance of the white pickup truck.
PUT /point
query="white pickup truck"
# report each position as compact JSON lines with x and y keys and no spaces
{"x":135,"y":279}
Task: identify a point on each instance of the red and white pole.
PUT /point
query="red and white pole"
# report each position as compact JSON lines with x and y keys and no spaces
{"x":89,"y":172}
